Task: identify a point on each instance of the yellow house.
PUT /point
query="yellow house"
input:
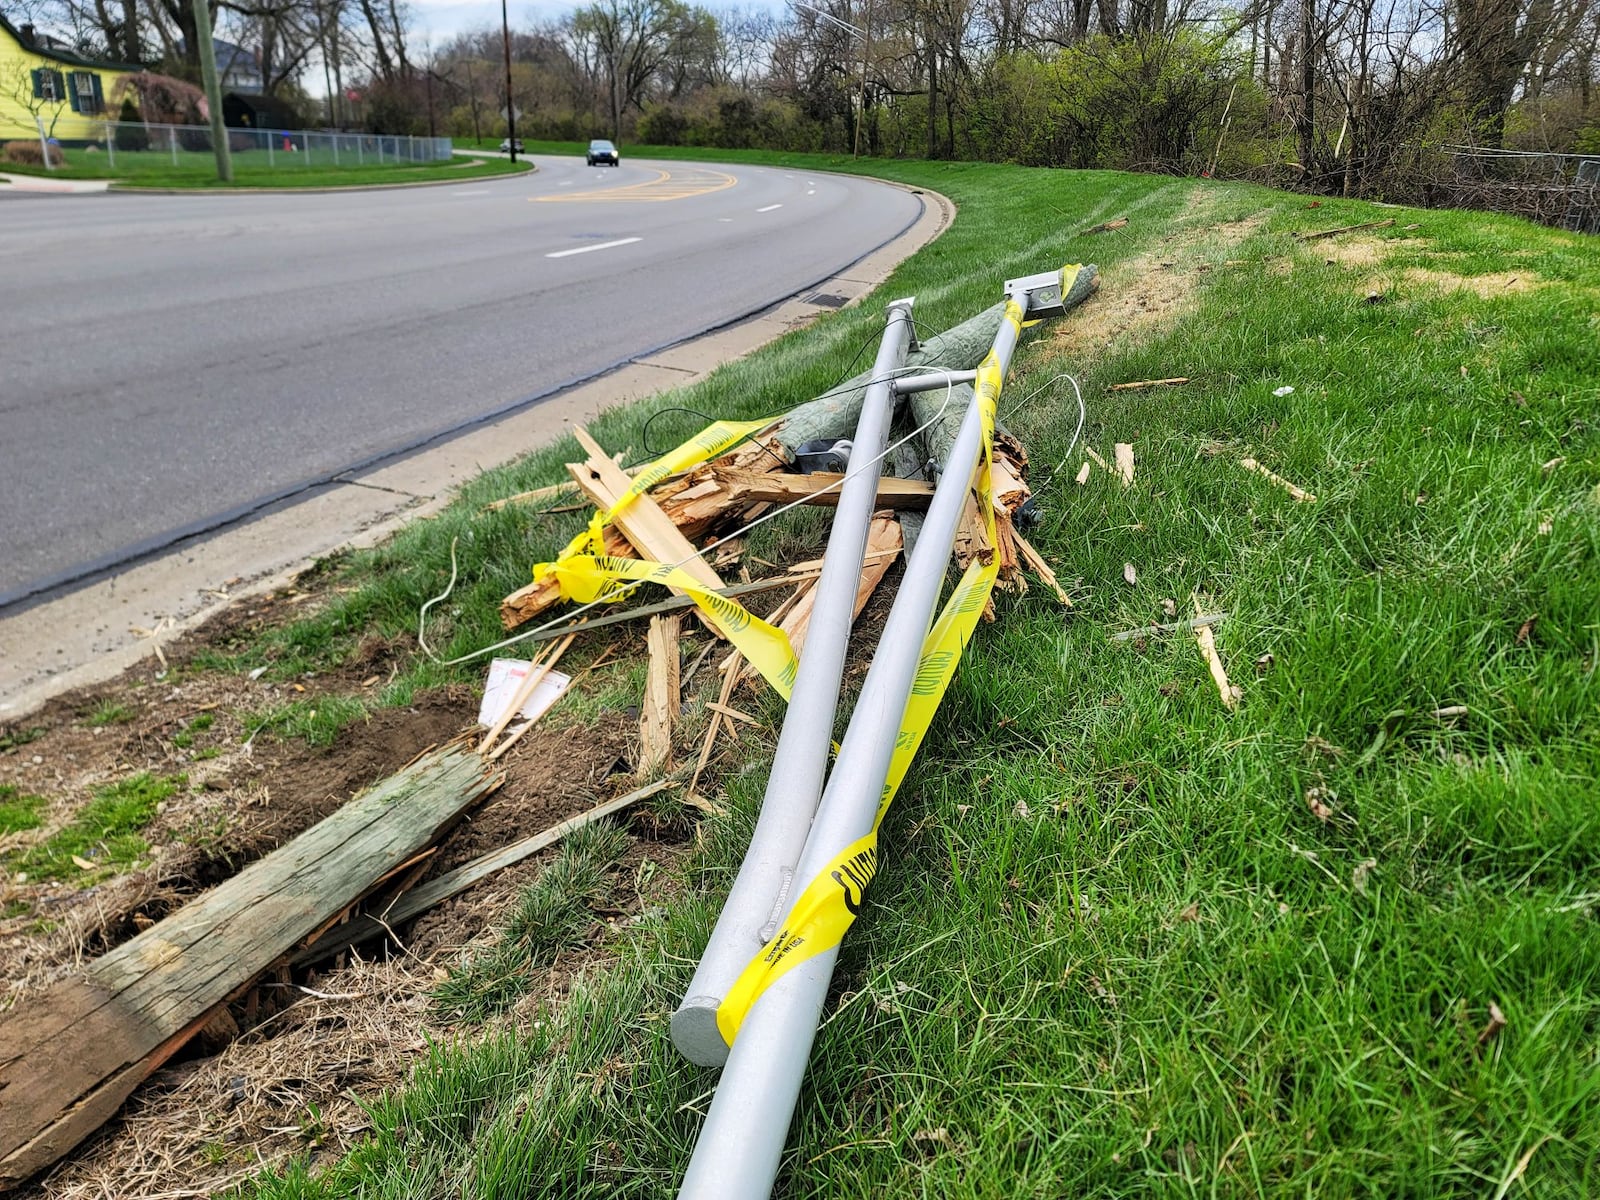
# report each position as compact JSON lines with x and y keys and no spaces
{"x":67,"y":93}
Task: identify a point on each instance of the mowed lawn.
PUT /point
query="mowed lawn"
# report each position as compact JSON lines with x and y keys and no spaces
{"x":1341,"y":941}
{"x":253,"y":169}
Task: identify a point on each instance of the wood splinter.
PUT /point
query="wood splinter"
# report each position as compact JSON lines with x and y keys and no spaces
{"x":1294,"y":490}
{"x":1141,"y":384}
{"x":1208,"y":651}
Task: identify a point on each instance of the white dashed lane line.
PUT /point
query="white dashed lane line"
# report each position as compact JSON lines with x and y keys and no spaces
{"x":596,"y":246}
{"x":769,"y":208}
{"x":472,"y":192}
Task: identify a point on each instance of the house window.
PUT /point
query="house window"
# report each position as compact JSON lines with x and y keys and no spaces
{"x":84,"y":86}
{"x":48,"y":86}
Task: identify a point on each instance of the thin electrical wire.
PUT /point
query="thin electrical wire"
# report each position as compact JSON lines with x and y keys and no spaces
{"x":949,"y":395}
{"x":1076,"y":433}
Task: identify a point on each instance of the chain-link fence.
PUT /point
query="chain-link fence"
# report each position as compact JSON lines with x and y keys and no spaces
{"x":1553,"y":189}
{"x":137,"y":147}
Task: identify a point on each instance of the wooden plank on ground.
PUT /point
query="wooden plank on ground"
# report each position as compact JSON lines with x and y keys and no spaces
{"x":71,"y":1056}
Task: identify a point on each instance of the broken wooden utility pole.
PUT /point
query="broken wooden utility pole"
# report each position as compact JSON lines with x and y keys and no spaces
{"x":72,"y":1055}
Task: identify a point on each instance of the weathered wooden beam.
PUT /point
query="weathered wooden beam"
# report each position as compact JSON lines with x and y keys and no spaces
{"x":72,"y":1055}
{"x":452,"y":883}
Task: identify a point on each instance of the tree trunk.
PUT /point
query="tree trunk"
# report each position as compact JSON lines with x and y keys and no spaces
{"x":1305,"y":118}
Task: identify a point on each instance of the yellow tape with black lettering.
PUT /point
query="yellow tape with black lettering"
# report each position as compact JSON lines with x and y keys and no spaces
{"x":584,"y":577}
{"x":585,"y":573}
{"x":830,"y":903}
{"x":711,"y":441}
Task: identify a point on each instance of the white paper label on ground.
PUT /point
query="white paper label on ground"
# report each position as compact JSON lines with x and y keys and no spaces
{"x":505,"y":677}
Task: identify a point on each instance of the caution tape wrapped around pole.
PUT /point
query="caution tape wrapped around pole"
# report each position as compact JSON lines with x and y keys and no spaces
{"x":830,"y":903}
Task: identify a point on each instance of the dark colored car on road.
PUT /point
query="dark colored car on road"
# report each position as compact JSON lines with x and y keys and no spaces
{"x":602,"y":151}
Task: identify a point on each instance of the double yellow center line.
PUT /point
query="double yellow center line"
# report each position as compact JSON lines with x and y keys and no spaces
{"x":680,"y":184}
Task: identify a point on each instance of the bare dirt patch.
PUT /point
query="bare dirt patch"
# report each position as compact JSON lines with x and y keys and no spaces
{"x":1500,"y":283}
{"x":1149,"y":289}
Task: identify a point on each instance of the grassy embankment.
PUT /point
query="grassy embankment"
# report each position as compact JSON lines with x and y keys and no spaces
{"x":1126,"y":942}
{"x":251,"y":170}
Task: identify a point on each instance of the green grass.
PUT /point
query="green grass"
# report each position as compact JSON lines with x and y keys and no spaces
{"x":18,"y":810}
{"x":184,"y":738}
{"x":250,"y":169}
{"x":1170,"y":977}
{"x":15,"y":738}
{"x":105,"y":832}
{"x":317,"y":722}
{"x":109,"y":712}
{"x":550,"y":915}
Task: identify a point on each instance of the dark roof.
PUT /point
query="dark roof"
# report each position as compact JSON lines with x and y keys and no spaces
{"x":63,"y":56}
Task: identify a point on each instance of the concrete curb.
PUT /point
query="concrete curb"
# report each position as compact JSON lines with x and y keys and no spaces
{"x":85,"y":636}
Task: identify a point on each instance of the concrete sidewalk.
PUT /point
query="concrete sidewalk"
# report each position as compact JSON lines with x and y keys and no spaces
{"x":60,"y":187}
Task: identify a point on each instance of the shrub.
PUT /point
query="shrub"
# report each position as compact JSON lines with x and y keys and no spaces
{"x":28,"y":154}
{"x":131,"y":133}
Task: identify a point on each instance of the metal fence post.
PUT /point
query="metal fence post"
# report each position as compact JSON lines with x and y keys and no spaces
{"x":335,"y":140}
{"x":271,"y":137}
{"x":172,"y":142}
{"x":111,"y":144}
{"x":306,"y":138}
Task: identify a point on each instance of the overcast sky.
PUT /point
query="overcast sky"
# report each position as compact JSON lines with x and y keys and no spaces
{"x":443,"y":19}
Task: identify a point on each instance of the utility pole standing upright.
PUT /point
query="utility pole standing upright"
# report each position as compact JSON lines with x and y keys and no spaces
{"x":511,"y":108}
{"x":208,"y":75}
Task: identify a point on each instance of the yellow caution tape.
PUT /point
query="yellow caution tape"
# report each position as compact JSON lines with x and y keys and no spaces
{"x":584,"y":577}
{"x":585,"y":573}
{"x":711,"y":441}
{"x":832,"y":900}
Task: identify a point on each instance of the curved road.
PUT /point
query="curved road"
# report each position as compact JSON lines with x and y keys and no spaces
{"x":169,"y":361}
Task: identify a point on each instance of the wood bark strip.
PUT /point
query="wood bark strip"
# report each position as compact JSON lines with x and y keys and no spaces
{"x":1219,"y":675}
{"x":1039,"y":567}
{"x":71,"y":1056}
{"x":1328,"y":233}
{"x":1124,"y":459}
{"x":883,"y":547}
{"x":1141,"y":384}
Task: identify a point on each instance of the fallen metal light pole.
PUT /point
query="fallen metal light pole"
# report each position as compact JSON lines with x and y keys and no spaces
{"x":737,"y":1153}
{"x":761,"y":891}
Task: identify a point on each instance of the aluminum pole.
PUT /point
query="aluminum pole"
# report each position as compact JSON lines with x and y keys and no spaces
{"x":736,"y":1156}
{"x":763,"y":888}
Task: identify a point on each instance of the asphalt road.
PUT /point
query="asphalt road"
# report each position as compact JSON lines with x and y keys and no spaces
{"x":168,"y":363}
